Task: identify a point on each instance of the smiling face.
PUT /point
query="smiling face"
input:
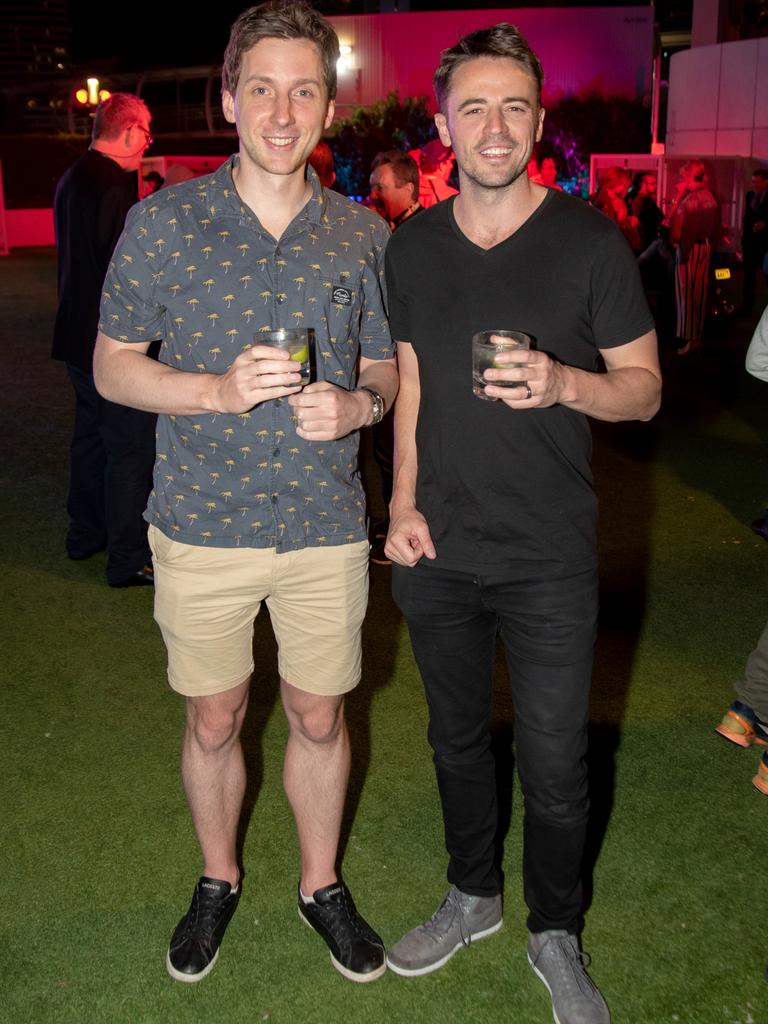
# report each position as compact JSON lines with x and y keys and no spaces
{"x":280,"y":105}
{"x":492,"y":119}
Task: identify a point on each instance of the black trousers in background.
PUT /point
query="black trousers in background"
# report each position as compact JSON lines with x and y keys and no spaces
{"x":753,"y":265}
{"x":547,"y":624}
{"x":111,"y":459}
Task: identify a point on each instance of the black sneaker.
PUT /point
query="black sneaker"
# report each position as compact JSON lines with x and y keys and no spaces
{"x":195,"y":944}
{"x":357,"y":952}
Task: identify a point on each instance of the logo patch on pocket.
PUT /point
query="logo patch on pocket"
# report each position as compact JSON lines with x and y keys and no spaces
{"x":341,"y":296}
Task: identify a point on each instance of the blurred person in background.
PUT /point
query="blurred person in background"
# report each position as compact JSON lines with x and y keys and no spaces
{"x":547,"y":175}
{"x":611,"y":199}
{"x":645,"y":208}
{"x":745,"y":723}
{"x":754,"y":235}
{"x":395,"y":186}
{"x":435,"y":166}
{"x":113,"y":447}
{"x":695,"y":226}
{"x":321,"y":158}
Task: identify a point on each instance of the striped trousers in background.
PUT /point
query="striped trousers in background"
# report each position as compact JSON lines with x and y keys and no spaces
{"x":691,"y":287}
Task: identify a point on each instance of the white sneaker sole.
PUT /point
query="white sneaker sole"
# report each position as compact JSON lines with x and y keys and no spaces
{"x":417,"y":972}
{"x":345,"y":971}
{"x":539,"y":975}
{"x":190,"y":979}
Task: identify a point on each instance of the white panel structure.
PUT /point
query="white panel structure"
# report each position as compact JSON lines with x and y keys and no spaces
{"x":738,"y":76}
{"x":718,"y":100}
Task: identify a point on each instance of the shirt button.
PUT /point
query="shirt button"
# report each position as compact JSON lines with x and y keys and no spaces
{"x":280,"y":299}
{"x":276,"y":451}
{"x":274,"y":499}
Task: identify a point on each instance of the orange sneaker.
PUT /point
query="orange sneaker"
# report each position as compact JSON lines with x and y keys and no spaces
{"x":741,"y":725}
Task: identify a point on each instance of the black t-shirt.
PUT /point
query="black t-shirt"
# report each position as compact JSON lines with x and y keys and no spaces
{"x":498,"y":486}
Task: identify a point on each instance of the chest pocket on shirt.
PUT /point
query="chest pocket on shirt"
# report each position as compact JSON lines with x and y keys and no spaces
{"x":336,"y":339}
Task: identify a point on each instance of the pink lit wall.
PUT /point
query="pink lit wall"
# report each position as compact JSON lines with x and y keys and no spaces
{"x":607,"y":49}
{"x":29,"y":227}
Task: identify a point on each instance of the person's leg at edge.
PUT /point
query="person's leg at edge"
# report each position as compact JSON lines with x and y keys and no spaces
{"x":752,"y":690}
{"x":213,"y":773}
{"x":315,"y":774}
{"x":87,"y":531}
{"x":129,"y":442}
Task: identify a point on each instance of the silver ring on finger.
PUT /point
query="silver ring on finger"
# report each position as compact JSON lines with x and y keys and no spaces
{"x":528,"y":390}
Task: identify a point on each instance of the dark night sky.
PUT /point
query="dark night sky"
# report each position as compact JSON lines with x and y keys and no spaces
{"x":165,"y":33}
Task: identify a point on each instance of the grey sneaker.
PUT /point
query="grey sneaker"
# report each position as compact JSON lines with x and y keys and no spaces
{"x":459,"y":920}
{"x":556,"y":958}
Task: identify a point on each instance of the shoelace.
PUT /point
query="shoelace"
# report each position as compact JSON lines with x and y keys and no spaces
{"x":452,"y":903}
{"x":570,"y":962}
{"x":344,"y":911}
{"x":204,"y":914}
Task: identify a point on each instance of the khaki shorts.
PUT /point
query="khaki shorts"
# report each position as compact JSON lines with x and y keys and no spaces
{"x":206,"y":601}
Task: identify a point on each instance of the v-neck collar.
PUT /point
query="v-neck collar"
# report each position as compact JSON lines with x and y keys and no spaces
{"x":509,"y":240}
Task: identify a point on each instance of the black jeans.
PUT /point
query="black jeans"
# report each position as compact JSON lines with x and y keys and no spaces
{"x":111,"y":459}
{"x":547,"y":622}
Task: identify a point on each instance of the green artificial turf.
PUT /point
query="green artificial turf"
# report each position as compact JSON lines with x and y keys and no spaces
{"x":97,"y":851}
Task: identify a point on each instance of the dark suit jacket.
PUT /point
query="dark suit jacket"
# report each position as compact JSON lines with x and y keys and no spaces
{"x":89,"y":210}
{"x":755,"y":243}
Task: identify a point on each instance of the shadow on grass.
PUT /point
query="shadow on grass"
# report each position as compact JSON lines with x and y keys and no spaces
{"x":711,"y":408}
{"x":381,"y":630}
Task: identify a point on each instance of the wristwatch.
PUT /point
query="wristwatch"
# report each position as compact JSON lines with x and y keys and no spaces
{"x":378,"y":405}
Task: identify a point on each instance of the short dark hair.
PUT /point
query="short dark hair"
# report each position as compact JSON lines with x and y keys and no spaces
{"x":502,"y":40}
{"x":640,"y":176}
{"x":116,"y":114}
{"x":404,"y":168}
{"x":760,"y":172}
{"x":277,"y":19}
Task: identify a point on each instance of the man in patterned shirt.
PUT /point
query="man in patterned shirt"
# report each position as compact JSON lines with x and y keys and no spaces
{"x":256,"y":491}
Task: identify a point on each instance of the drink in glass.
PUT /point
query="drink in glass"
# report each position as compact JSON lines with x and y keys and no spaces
{"x":486,"y":348}
{"x":297,"y":341}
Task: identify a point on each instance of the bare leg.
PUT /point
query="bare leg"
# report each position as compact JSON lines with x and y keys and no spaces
{"x":315,"y":778}
{"x":213,"y":773}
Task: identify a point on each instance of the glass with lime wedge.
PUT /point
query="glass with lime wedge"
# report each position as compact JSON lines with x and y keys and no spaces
{"x":296,"y":341}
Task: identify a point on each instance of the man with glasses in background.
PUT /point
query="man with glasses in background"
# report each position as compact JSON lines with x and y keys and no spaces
{"x":113,"y":447}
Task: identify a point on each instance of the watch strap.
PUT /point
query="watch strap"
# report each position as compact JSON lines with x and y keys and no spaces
{"x":378,"y":404}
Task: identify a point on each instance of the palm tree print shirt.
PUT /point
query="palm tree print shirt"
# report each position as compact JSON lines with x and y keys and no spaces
{"x":195,"y":268}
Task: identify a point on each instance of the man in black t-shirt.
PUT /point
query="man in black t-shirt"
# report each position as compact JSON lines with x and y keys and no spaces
{"x":493,"y":517}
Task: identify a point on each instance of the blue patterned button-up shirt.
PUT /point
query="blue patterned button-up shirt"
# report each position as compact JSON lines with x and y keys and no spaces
{"x":195,"y":268}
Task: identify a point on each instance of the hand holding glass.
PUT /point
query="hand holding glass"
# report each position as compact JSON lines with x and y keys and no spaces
{"x":486,"y":347}
{"x":295,"y":341}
